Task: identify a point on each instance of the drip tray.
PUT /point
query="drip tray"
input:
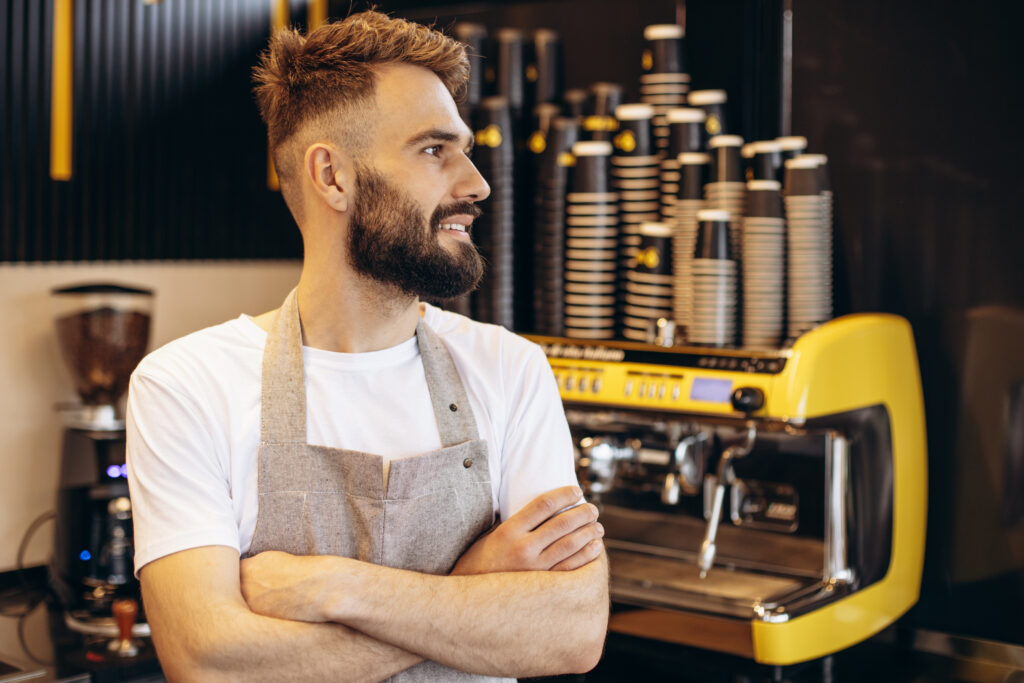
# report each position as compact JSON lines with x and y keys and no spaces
{"x":656,"y":581}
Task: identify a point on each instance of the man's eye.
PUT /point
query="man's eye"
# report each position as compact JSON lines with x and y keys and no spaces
{"x":433,"y":150}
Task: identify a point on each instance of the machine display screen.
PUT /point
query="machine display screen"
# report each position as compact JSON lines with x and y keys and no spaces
{"x":715,"y":390}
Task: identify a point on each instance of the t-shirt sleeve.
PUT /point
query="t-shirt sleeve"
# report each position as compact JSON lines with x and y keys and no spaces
{"x":537,"y":454}
{"x":179,"y":488}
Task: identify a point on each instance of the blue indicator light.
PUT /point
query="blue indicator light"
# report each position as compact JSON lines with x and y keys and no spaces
{"x":113,"y":471}
{"x":124,"y":470}
{"x":85,"y":556}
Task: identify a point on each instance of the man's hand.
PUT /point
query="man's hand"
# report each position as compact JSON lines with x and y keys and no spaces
{"x":538,"y":538}
{"x":275,"y":584}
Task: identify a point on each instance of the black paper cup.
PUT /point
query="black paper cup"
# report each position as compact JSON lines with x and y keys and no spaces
{"x":822,"y":170}
{"x":654,"y":254}
{"x":792,"y":146}
{"x":574,"y":101}
{"x":474,"y":37}
{"x":599,"y":123}
{"x":634,"y":136}
{"x":694,"y":171}
{"x":509,"y":46}
{"x":664,"y":52}
{"x":686,"y":130}
{"x":562,"y":135}
{"x":726,"y":161}
{"x":713,"y":102}
{"x":802,"y":177}
{"x":763,"y":199}
{"x":766,"y":163}
{"x":590,"y":175}
{"x":548,"y":65}
{"x":713,"y":240}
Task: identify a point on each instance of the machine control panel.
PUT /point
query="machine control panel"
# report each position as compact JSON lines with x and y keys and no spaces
{"x":642,"y":376}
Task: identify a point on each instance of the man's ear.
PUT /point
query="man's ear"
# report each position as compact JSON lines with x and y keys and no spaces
{"x":331,"y":175}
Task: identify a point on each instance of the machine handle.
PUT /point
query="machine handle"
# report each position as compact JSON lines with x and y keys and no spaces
{"x":747,"y":399}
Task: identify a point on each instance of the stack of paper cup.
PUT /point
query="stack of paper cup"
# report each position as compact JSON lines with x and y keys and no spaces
{"x":764,"y":255}
{"x":649,"y":283}
{"x":713,"y":315}
{"x":809,"y":251}
{"x":693,"y":174}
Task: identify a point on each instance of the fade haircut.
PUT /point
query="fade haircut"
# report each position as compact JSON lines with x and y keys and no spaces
{"x":309,"y":88}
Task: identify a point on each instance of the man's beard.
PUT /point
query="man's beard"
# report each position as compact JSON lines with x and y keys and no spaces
{"x":389,"y":242}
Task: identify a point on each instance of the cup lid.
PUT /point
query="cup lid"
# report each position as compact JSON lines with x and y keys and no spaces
{"x":663,"y":31}
{"x":686,"y":115}
{"x":713,"y":215}
{"x":747,"y":151}
{"x":703,"y":97}
{"x":688,"y":158}
{"x":803,"y":161}
{"x":656,"y":229}
{"x":765,"y":146}
{"x":792,"y":143}
{"x":764,"y":185}
{"x":725,"y":141}
{"x":821,"y":158}
{"x":509,"y":35}
{"x":592,"y":148}
{"x":634,"y":112}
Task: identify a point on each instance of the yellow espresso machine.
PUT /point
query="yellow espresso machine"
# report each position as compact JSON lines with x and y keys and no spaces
{"x":769,"y":504}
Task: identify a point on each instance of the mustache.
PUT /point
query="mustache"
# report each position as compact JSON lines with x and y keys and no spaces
{"x":456,"y":209}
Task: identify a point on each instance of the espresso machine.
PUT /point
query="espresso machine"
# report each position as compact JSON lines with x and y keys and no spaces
{"x":103,"y":332}
{"x":768,"y":504}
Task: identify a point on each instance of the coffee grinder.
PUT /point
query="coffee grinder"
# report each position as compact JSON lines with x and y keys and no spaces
{"x":103,"y":331}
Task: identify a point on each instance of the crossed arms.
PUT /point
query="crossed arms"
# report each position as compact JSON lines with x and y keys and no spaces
{"x":528,"y":599}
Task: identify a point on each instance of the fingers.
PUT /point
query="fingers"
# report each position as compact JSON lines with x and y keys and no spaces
{"x":575,"y":548}
{"x":543,"y":507}
{"x":587,"y":554}
{"x":563,"y":524}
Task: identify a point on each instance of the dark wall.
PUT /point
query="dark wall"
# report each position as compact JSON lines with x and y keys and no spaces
{"x":169,"y":154}
{"x":918,"y":106}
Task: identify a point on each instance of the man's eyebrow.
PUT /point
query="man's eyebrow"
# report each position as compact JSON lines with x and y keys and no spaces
{"x":438,"y":135}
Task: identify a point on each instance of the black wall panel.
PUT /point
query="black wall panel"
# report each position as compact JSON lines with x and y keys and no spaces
{"x":169,"y":154}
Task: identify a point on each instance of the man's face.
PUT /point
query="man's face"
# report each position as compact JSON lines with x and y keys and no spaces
{"x":413,"y":206}
{"x":393,"y":241}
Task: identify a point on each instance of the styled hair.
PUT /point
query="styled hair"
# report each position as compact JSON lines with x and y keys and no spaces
{"x":309,"y":85}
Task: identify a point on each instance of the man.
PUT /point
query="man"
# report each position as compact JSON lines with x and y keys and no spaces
{"x":312,"y":488}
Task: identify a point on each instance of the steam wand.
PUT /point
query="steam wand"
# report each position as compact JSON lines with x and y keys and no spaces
{"x":707,"y":548}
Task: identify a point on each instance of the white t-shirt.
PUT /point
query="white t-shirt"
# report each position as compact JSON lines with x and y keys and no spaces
{"x":194,"y":423}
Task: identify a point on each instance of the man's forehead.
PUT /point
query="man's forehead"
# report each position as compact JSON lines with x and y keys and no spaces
{"x":411,"y":100}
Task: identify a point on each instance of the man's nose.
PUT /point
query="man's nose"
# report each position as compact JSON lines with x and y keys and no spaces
{"x":471,"y":186}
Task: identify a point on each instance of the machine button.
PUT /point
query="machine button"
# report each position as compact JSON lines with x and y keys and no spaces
{"x":569,"y":382}
{"x":643,"y":389}
{"x":675,"y":392}
{"x":652,"y":390}
{"x":733,"y":363}
{"x":596,"y":386}
{"x":661,"y":391}
{"x":583,"y":383}
{"x":629,"y":387}
{"x":702,"y":363}
{"x":747,"y":399}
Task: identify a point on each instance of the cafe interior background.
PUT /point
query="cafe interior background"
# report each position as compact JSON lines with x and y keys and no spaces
{"x":916,"y":104}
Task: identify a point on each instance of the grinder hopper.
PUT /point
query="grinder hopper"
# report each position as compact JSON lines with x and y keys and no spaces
{"x":103,"y":331}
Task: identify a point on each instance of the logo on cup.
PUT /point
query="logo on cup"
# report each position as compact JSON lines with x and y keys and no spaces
{"x":648,"y":258}
{"x":489,"y":136}
{"x":625,"y":141}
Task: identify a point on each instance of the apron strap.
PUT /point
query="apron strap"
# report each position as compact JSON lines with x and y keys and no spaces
{"x":283,"y":404}
{"x":454,"y":416}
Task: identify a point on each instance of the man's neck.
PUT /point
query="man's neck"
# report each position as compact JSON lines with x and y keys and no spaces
{"x":350,"y":313}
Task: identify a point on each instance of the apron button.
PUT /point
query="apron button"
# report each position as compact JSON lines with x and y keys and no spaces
{"x":453,"y":407}
{"x":467,"y":463}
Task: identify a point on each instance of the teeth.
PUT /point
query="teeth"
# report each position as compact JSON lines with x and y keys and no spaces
{"x":453,"y":226}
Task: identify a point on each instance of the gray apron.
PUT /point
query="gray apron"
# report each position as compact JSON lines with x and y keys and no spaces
{"x":315,"y":500}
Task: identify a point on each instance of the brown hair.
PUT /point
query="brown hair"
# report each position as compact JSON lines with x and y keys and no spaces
{"x":309,"y":83}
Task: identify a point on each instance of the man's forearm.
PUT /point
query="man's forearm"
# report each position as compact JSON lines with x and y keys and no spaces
{"x":204,"y":631}
{"x":504,"y":624}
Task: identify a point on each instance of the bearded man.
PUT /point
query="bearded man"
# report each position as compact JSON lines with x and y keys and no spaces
{"x":359,"y":485}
